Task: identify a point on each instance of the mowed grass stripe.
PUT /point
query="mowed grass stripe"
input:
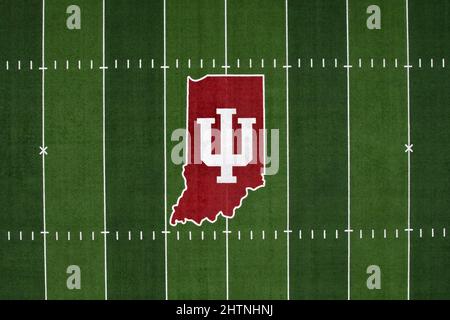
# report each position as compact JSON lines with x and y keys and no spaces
{"x":257,"y":269}
{"x":74,"y":181}
{"x":195,"y":30}
{"x":430,"y":115}
{"x":21,"y":262}
{"x":318,"y":150}
{"x":135,"y":167}
{"x":378,"y":160}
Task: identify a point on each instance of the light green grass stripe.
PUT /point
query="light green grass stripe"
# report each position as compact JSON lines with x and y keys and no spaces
{"x":257,"y":270}
{"x":195,"y":30}
{"x":378,"y":160}
{"x":74,"y":183}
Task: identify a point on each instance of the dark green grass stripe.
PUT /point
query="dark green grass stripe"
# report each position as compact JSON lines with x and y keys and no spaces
{"x":318,"y":149}
{"x":430,"y":122}
{"x":21,"y":262}
{"x":135,"y":150}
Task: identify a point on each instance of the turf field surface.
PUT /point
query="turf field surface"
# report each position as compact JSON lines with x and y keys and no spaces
{"x":88,"y":119}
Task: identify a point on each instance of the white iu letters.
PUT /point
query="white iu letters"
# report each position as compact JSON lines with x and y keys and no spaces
{"x":374,"y":20}
{"x":73,"y":22}
{"x":74,"y":280}
{"x":226,"y":160}
{"x":374,"y":280}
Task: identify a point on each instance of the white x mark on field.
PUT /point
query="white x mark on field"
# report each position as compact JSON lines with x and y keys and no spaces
{"x":409,"y":147}
{"x":43,"y":151}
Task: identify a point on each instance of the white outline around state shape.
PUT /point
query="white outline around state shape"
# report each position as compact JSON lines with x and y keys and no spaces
{"x":247,"y":189}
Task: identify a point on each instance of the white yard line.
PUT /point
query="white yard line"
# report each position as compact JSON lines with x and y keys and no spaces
{"x":348,"y":150}
{"x":165,"y":155}
{"x":43,"y":153}
{"x":227,"y":288}
{"x":105,"y":257}
{"x":287,"y":149}
{"x":409,"y":153}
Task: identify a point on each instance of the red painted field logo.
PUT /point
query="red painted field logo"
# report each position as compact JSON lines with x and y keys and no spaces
{"x":225,"y":146}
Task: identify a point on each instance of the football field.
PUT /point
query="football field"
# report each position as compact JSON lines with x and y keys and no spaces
{"x":93,"y":119}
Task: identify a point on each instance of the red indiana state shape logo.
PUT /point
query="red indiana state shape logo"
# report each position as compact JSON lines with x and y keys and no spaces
{"x":225,"y":148}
